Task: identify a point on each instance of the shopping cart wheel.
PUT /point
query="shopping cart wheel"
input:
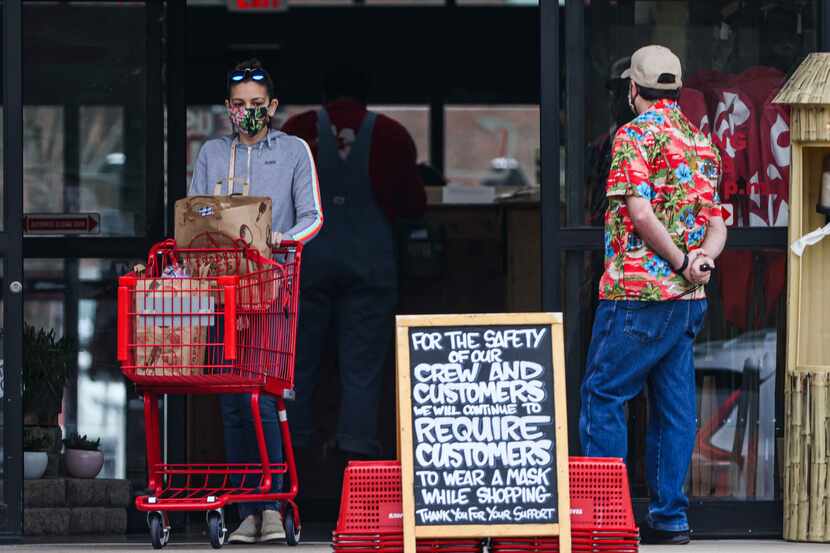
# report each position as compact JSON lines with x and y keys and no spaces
{"x":159,"y":535}
{"x":292,"y":532}
{"x":216,"y":530}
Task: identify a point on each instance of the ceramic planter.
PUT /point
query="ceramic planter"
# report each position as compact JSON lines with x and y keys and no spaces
{"x":83,"y":464}
{"x":34,"y":464}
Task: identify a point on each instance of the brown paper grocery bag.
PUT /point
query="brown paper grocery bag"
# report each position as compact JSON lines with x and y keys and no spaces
{"x":236,"y":216}
{"x":173,"y":316}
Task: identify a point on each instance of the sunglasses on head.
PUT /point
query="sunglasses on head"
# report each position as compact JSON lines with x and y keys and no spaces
{"x":255,"y":74}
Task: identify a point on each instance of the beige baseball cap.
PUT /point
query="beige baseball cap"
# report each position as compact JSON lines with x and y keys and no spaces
{"x":656,"y":67}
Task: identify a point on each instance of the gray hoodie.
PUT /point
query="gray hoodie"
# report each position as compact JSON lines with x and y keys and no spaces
{"x":280,"y":167}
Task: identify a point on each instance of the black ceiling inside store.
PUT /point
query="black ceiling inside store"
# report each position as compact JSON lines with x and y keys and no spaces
{"x":414,"y":54}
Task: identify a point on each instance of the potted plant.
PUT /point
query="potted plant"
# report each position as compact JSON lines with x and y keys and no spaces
{"x":82,"y":458}
{"x":47,"y":363}
{"x":35,"y":458}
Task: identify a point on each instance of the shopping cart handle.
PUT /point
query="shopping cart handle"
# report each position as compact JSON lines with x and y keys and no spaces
{"x":123,"y":326}
{"x":228,"y":283}
{"x":125,"y":284}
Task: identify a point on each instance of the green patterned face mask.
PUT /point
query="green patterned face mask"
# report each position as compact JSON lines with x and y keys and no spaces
{"x":250,"y":120}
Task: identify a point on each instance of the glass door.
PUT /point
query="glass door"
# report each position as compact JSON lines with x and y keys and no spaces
{"x":735,"y":58}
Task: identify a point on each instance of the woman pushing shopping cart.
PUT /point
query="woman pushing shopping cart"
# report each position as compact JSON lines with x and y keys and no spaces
{"x":218,"y":320}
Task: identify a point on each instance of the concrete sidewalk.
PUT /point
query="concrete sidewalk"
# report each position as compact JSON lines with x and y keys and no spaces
{"x":703,"y":546}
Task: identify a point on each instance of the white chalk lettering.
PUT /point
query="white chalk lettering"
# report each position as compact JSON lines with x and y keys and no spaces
{"x":463,"y":340}
{"x":426,"y":341}
{"x":464,"y":478}
{"x":427,"y":477}
{"x":514,"y":338}
{"x":480,"y":392}
{"x":528,"y":476}
{"x":545,"y":514}
{"x":516,"y":370}
{"x":445,"y":373}
{"x":507,"y":454}
{"x":473,"y":410}
{"x":439,"y":496}
{"x":479,"y":429}
{"x":497,"y":479}
{"x":512,"y":495}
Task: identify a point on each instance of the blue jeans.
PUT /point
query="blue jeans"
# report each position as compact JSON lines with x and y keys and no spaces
{"x":634,"y":343}
{"x":241,"y":443}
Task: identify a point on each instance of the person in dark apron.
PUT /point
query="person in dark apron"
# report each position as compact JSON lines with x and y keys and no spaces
{"x":367,"y":165}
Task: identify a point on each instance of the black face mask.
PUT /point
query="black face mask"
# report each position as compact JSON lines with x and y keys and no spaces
{"x":631,"y":104}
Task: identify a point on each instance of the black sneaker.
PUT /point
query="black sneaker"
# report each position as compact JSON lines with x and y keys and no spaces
{"x":651,"y":536}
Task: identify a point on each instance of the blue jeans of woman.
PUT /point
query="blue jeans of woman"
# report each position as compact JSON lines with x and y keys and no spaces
{"x":241,"y":443}
{"x":635,"y":343}
{"x":238,"y":423}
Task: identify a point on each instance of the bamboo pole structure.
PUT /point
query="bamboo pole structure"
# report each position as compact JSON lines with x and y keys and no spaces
{"x":806,"y":478}
{"x":807,"y":453}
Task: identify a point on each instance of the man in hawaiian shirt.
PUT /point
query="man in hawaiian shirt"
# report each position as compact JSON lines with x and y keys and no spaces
{"x":663,"y":230}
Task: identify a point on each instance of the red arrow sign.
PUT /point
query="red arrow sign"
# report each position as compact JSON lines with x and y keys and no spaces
{"x":61,"y":223}
{"x":256,"y":5}
{"x":728,"y":213}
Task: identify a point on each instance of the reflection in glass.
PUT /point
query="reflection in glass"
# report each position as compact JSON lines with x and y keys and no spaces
{"x":84,"y":128}
{"x":206,"y":122}
{"x":482,"y":138}
{"x":43,"y":155}
{"x":735,"y":60}
{"x":737,"y":358}
{"x":498,"y":2}
{"x":3,"y":509}
{"x":103,"y":181}
{"x":416,"y":121}
{"x":95,"y":403}
{"x":2,"y":157}
{"x":405,"y":2}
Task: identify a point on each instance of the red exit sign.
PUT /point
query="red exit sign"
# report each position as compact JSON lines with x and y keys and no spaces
{"x":257,"y":5}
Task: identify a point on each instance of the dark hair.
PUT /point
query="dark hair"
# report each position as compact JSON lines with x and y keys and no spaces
{"x":654,"y":94}
{"x":252,"y":63}
{"x":346,"y":81}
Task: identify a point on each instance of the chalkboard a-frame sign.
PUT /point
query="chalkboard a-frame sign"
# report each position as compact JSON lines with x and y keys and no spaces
{"x":482,"y":426}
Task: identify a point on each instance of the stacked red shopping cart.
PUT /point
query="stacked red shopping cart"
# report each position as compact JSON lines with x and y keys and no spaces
{"x":601,"y":516}
{"x":212,"y":321}
{"x":371,"y":513}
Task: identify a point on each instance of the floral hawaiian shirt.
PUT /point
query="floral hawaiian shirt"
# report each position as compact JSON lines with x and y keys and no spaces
{"x":662,"y":157}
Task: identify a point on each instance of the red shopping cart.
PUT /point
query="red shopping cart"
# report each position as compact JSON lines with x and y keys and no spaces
{"x":212,"y":321}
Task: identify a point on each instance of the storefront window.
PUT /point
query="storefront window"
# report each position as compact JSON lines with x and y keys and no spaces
{"x":738,"y":355}
{"x":404,"y":2}
{"x":416,"y":121}
{"x":497,"y":2}
{"x":3,"y":506}
{"x":320,"y":2}
{"x":2,"y":175}
{"x":735,"y":58}
{"x":43,"y":153}
{"x":482,"y":140}
{"x":77,"y":298}
{"x":84,"y":127}
{"x":206,"y":122}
